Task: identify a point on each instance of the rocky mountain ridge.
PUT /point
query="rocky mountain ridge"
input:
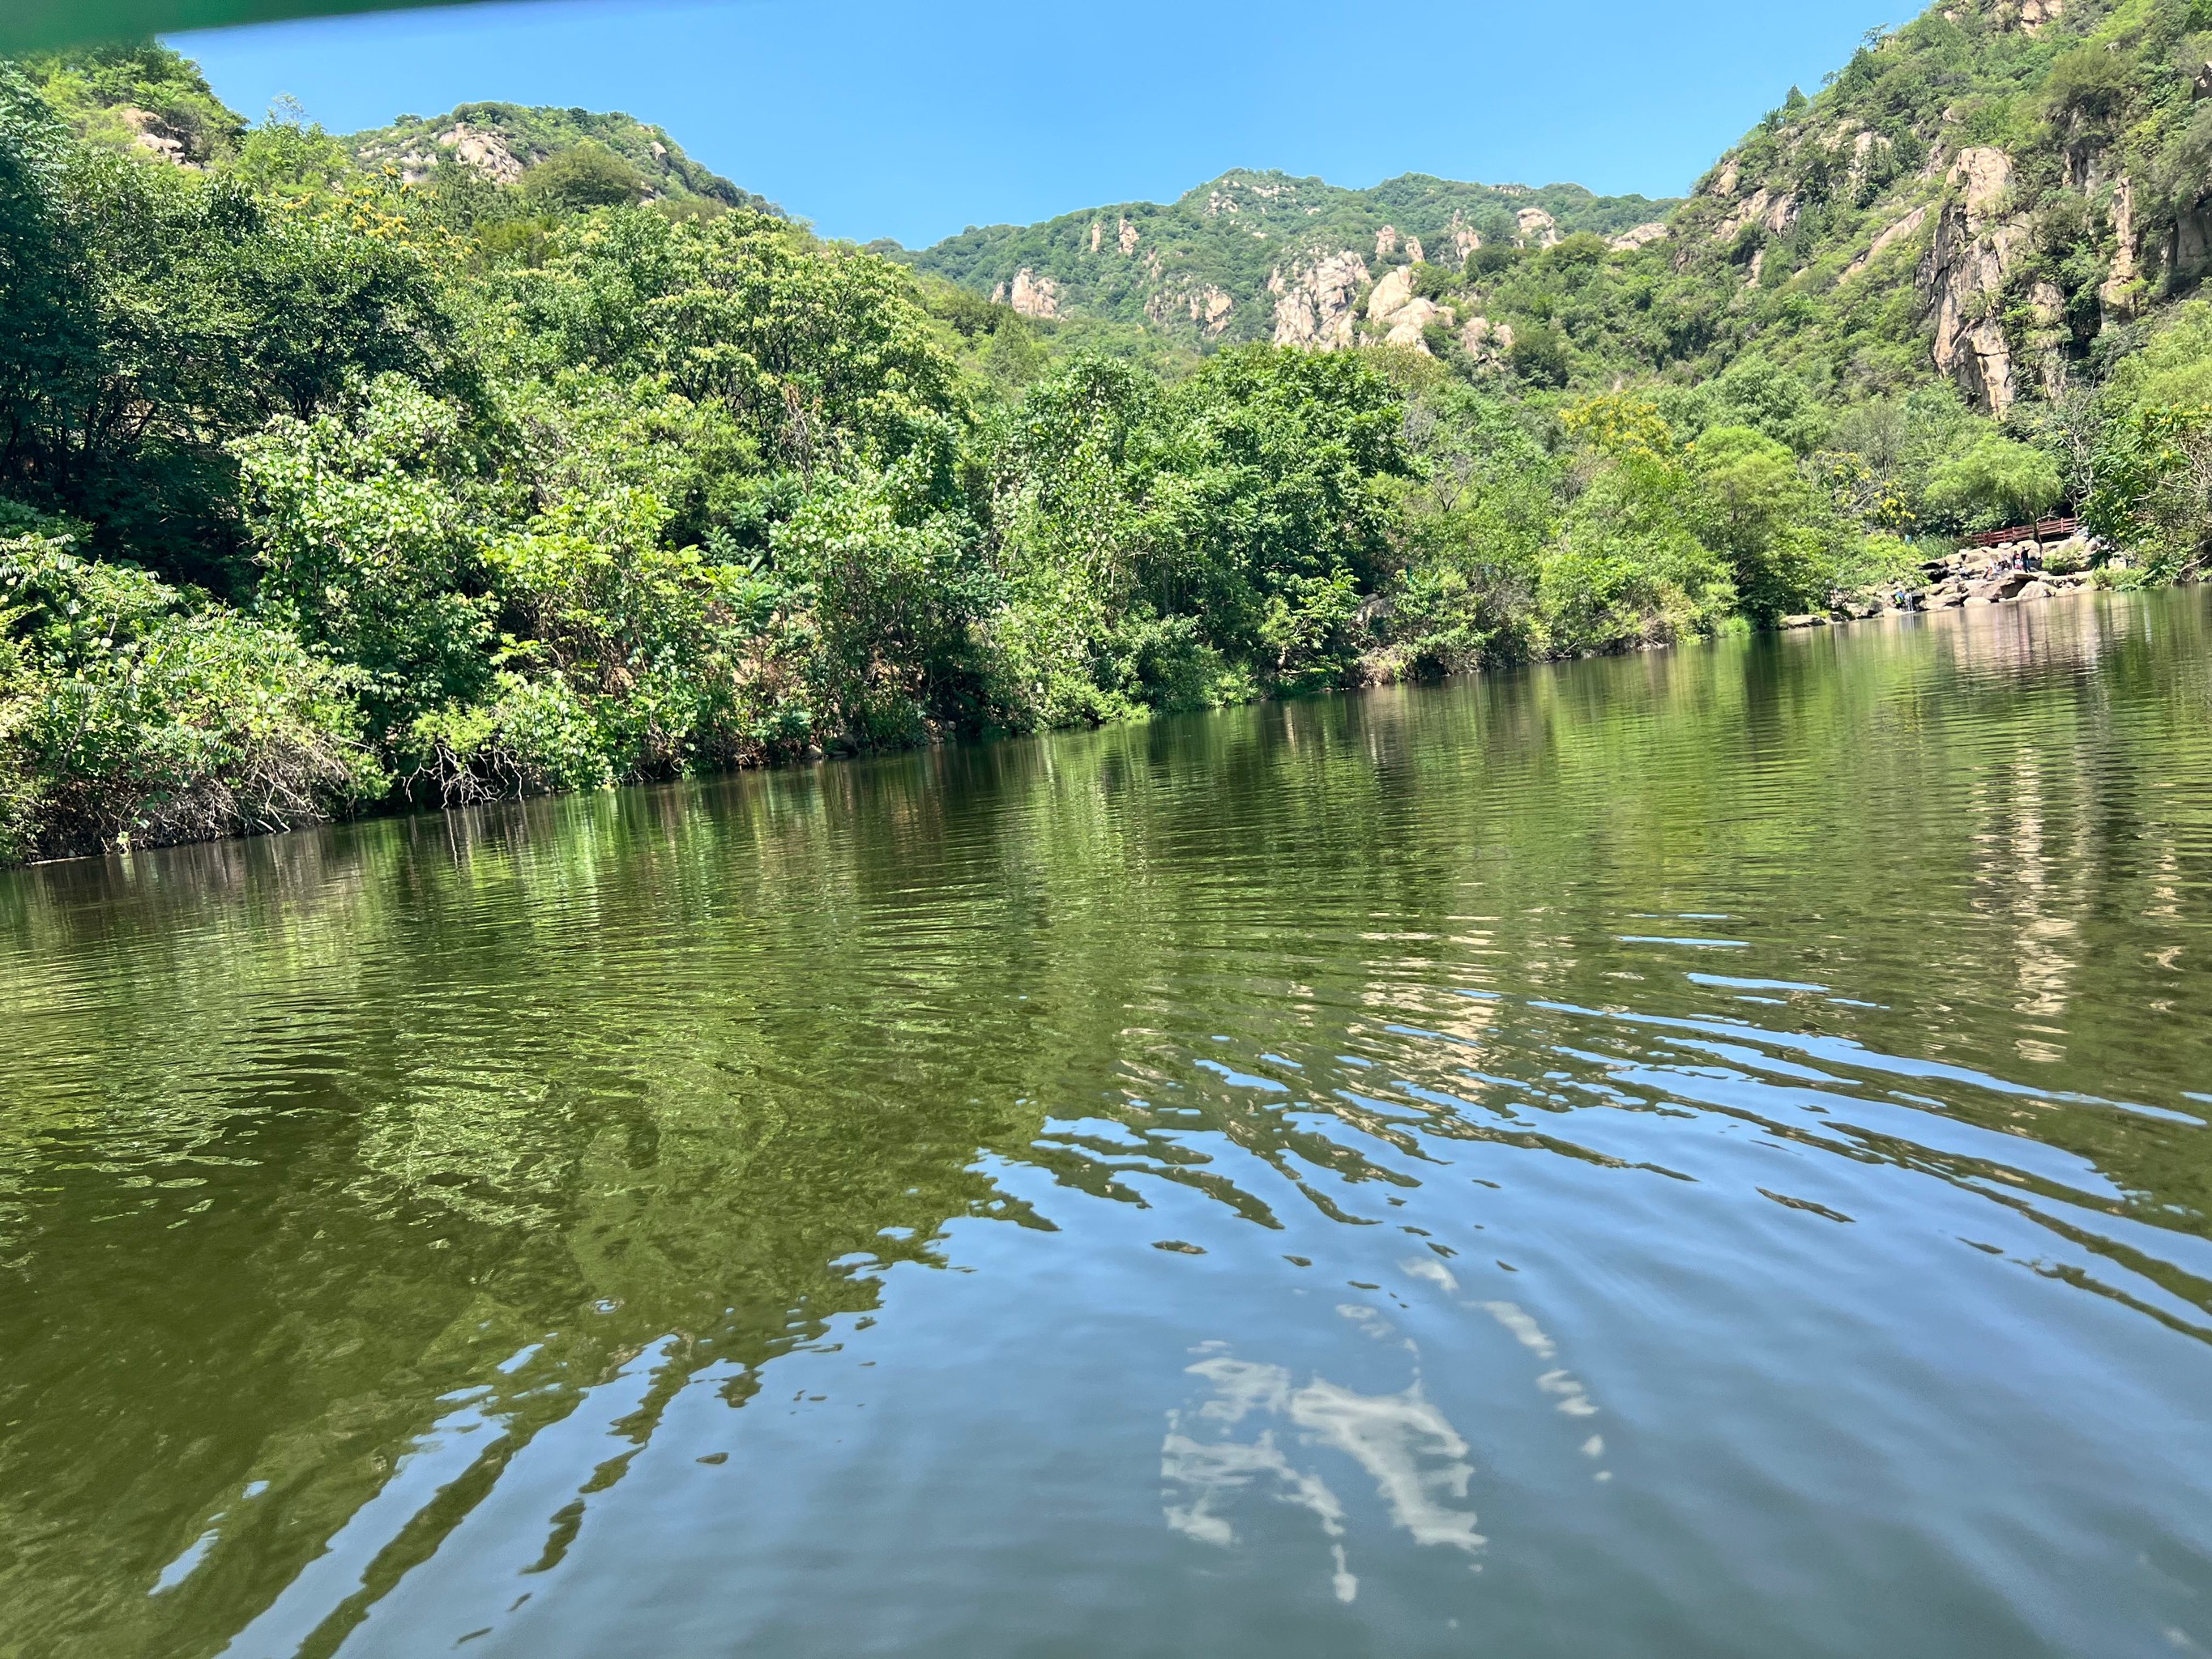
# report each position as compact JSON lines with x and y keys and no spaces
{"x":2001,"y":193}
{"x":1262,"y":255}
{"x":500,"y":143}
{"x":2009,"y":184}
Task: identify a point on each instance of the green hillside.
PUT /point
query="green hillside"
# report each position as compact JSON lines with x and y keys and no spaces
{"x":503,"y":142}
{"x":143,"y":99}
{"x":2007,"y":194}
{"x":1202,"y":266}
{"x":2003,"y":193}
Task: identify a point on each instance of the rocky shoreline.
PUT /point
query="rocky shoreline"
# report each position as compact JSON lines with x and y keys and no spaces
{"x":2010,"y":573}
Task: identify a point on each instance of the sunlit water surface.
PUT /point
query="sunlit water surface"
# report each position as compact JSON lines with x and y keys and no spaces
{"x":1697,"y":1154}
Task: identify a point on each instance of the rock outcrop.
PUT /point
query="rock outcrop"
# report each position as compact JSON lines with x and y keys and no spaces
{"x":1464,"y":238}
{"x":1774,"y":211}
{"x":1533,"y":228}
{"x":150,"y":133}
{"x":1486,"y":342}
{"x":1636,"y":236}
{"x":1126,"y":239}
{"x":2029,"y":16}
{"x":1865,"y":146}
{"x":1962,"y":278}
{"x":1033,"y":295}
{"x":1208,"y":306}
{"x":2190,"y":248}
{"x":2121,"y":294}
{"x":484,"y":153}
{"x":1393,"y":308}
{"x":1314,"y":301}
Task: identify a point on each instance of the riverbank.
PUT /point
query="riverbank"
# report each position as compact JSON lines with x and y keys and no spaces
{"x":1962,"y":579}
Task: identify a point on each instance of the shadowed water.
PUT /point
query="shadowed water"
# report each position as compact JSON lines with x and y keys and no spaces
{"x":1695,"y":1154}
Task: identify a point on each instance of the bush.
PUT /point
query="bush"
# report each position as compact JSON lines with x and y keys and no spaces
{"x":2155,"y":488}
{"x":136,"y":723}
{"x":527,"y":737}
{"x":367,"y":525}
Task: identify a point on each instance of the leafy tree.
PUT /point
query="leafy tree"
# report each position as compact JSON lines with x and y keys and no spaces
{"x":818,"y":351}
{"x":289,"y":155}
{"x":1627,"y":566}
{"x":2154,"y":490}
{"x":139,"y":334}
{"x":1757,"y":513}
{"x":1539,"y":355}
{"x":368,"y":523}
{"x":1995,"y":482}
{"x":589,"y":176}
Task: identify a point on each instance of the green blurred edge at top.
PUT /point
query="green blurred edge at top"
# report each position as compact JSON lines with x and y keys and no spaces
{"x":41,"y":25}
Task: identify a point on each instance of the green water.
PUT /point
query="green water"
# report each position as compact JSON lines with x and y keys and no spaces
{"x":1695,"y":1154}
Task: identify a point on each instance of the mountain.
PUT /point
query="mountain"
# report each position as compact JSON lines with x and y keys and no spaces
{"x":2006,"y":194}
{"x":142,"y":96}
{"x":1216,"y":265}
{"x":138,"y":96}
{"x":2001,"y":193}
{"x":500,"y":143}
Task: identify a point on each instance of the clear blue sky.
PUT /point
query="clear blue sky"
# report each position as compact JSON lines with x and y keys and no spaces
{"x":894,"y":118}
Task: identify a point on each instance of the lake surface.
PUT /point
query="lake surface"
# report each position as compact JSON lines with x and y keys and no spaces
{"x":1695,"y":1154}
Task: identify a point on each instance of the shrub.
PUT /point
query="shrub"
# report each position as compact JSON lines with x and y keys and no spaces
{"x":2154,"y":487}
{"x":527,"y":737}
{"x":134,"y":722}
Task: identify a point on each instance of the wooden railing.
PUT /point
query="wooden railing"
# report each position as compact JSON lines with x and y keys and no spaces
{"x":2043,"y":530}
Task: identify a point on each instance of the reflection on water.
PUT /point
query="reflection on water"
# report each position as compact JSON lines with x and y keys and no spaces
{"x":1701,"y":1153}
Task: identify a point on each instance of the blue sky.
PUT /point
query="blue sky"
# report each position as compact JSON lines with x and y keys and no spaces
{"x":874,"y":118}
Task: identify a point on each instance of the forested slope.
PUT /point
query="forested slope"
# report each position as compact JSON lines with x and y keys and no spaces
{"x":338,"y":473}
{"x":1213,"y":266}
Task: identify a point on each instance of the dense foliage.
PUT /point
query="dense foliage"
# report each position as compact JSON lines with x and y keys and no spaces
{"x":335,"y":472}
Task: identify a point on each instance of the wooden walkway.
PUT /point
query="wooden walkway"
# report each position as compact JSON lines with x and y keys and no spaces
{"x":2043,"y":530}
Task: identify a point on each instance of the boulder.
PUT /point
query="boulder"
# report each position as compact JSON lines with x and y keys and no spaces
{"x":1636,"y":236}
{"x":1533,"y":226}
{"x":1034,"y":296}
{"x":1315,"y":303}
{"x":1392,"y":293}
{"x":1888,"y":239}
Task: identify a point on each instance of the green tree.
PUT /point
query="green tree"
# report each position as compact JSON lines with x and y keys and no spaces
{"x":588,"y":176}
{"x":368,"y":523}
{"x":1997,"y":481}
{"x":1756,"y":510}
